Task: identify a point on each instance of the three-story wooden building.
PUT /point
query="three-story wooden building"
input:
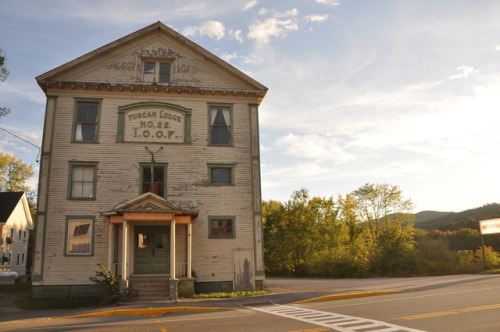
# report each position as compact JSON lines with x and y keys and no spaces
{"x":150,"y":165}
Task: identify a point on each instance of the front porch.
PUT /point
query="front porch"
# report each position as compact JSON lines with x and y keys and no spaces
{"x":151,"y":247}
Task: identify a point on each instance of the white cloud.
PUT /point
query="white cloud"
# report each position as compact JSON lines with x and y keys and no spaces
{"x":328,"y":2}
{"x":262,"y":31}
{"x":466,"y":71}
{"x":250,"y":5}
{"x":212,"y":29}
{"x":237,"y":35}
{"x":317,"y":18}
{"x":228,"y":57}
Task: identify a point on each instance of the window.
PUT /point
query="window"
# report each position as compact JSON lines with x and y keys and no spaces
{"x":153,"y":178}
{"x":156,"y":72}
{"x":220,"y":125}
{"x":220,"y":174}
{"x":86,"y":120}
{"x":5,"y":259}
{"x":20,"y":235}
{"x":18,"y":261}
{"x":221,"y":227}
{"x":12,"y":233}
{"x":79,"y":236}
{"x":82,"y":182}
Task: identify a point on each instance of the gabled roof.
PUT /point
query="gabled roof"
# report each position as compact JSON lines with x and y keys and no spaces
{"x":150,"y":202}
{"x":8,"y":202}
{"x":51,"y":77}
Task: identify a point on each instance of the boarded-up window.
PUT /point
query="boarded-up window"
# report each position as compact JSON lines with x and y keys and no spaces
{"x":79,"y":240}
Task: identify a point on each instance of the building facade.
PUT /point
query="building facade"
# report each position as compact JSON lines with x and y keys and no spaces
{"x":150,"y":165}
{"x":15,"y":226}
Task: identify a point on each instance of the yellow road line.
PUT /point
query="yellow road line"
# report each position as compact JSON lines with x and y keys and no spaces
{"x":151,"y":312}
{"x":343,"y":296}
{"x":452,"y":312}
{"x":318,"y":329}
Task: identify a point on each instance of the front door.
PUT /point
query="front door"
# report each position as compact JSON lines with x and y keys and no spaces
{"x":152,"y":252}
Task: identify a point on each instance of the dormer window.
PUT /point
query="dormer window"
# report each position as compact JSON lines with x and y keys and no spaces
{"x":156,"y":72}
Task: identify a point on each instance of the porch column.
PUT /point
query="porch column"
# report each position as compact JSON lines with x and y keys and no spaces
{"x":111,"y":234}
{"x":173,"y":282}
{"x":125,"y":252}
{"x":189,"y":249}
{"x":172,"y":250}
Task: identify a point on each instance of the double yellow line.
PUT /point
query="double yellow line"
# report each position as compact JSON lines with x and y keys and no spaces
{"x":451,"y":312}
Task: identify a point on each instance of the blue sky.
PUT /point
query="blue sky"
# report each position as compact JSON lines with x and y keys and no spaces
{"x":360,"y":91}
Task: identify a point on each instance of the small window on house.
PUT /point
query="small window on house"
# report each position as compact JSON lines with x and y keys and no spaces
{"x":79,"y":236}
{"x":20,"y":235}
{"x":153,"y":178}
{"x":221,"y":227}
{"x":18,"y":260}
{"x":156,"y":72}
{"x":82,"y":181}
{"x":5,"y":259}
{"x":86,"y":121}
{"x":220,"y":174}
{"x":12,"y":233}
{"x":220,"y":126}
{"x":22,"y":258}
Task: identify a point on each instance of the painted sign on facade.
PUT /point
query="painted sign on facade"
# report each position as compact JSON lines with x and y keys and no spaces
{"x":490,"y":226}
{"x":162,"y":124}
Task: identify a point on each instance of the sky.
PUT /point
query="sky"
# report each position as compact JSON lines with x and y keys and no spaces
{"x":360,"y":91}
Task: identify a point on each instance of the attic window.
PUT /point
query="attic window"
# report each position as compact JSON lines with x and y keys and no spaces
{"x":156,"y":72}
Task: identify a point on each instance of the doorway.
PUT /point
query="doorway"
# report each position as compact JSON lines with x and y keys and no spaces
{"x":151,"y":250}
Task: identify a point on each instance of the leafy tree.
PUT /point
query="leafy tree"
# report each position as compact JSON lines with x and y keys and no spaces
{"x":3,"y":76}
{"x":391,"y":228}
{"x":14,"y":173}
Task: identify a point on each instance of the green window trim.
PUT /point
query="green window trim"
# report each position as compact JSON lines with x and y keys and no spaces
{"x":221,"y":227}
{"x":73,"y":182}
{"x":78,"y":123}
{"x":79,"y":236}
{"x":147,"y":166}
{"x":220,"y":128}
{"x":216,"y":176}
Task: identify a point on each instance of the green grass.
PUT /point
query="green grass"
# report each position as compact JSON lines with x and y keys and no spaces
{"x":22,"y":287}
{"x":231,"y":295}
{"x":490,"y":271}
{"x":24,"y":300}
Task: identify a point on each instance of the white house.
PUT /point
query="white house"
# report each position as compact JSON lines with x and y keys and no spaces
{"x":150,"y":165}
{"x":15,"y":225}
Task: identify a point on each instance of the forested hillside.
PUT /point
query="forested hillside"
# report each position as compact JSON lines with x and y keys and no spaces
{"x":456,"y":221}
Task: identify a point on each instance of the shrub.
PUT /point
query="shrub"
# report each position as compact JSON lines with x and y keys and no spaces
{"x":111,"y":284}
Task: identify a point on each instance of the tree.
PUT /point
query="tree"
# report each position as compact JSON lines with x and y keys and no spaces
{"x":391,"y":227}
{"x":14,"y":173}
{"x":3,"y":76}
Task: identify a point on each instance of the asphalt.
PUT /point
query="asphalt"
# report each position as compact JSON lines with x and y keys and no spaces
{"x":281,"y":291}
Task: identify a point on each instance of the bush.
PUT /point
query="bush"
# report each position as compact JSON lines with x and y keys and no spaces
{"x":109,"y":282}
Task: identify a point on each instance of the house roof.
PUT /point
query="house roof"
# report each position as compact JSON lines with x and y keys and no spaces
{"x":8,"y":201}
{"x":51,"y":77}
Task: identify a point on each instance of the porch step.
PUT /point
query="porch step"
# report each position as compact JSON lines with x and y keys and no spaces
{"x":149,"y":288}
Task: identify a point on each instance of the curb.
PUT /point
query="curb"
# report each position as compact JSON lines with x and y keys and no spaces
{"x":150,"y":312}
{"x":154,"y":312}
{"x":343,"y":296}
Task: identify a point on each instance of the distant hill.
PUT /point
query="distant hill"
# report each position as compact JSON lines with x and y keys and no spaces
{"x":448,"y":221}
{"x":429,"y":215}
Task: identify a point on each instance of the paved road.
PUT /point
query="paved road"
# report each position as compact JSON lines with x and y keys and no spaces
{"x":423,"y":306}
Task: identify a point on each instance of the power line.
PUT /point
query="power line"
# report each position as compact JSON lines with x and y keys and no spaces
{"x":22,"y":139}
